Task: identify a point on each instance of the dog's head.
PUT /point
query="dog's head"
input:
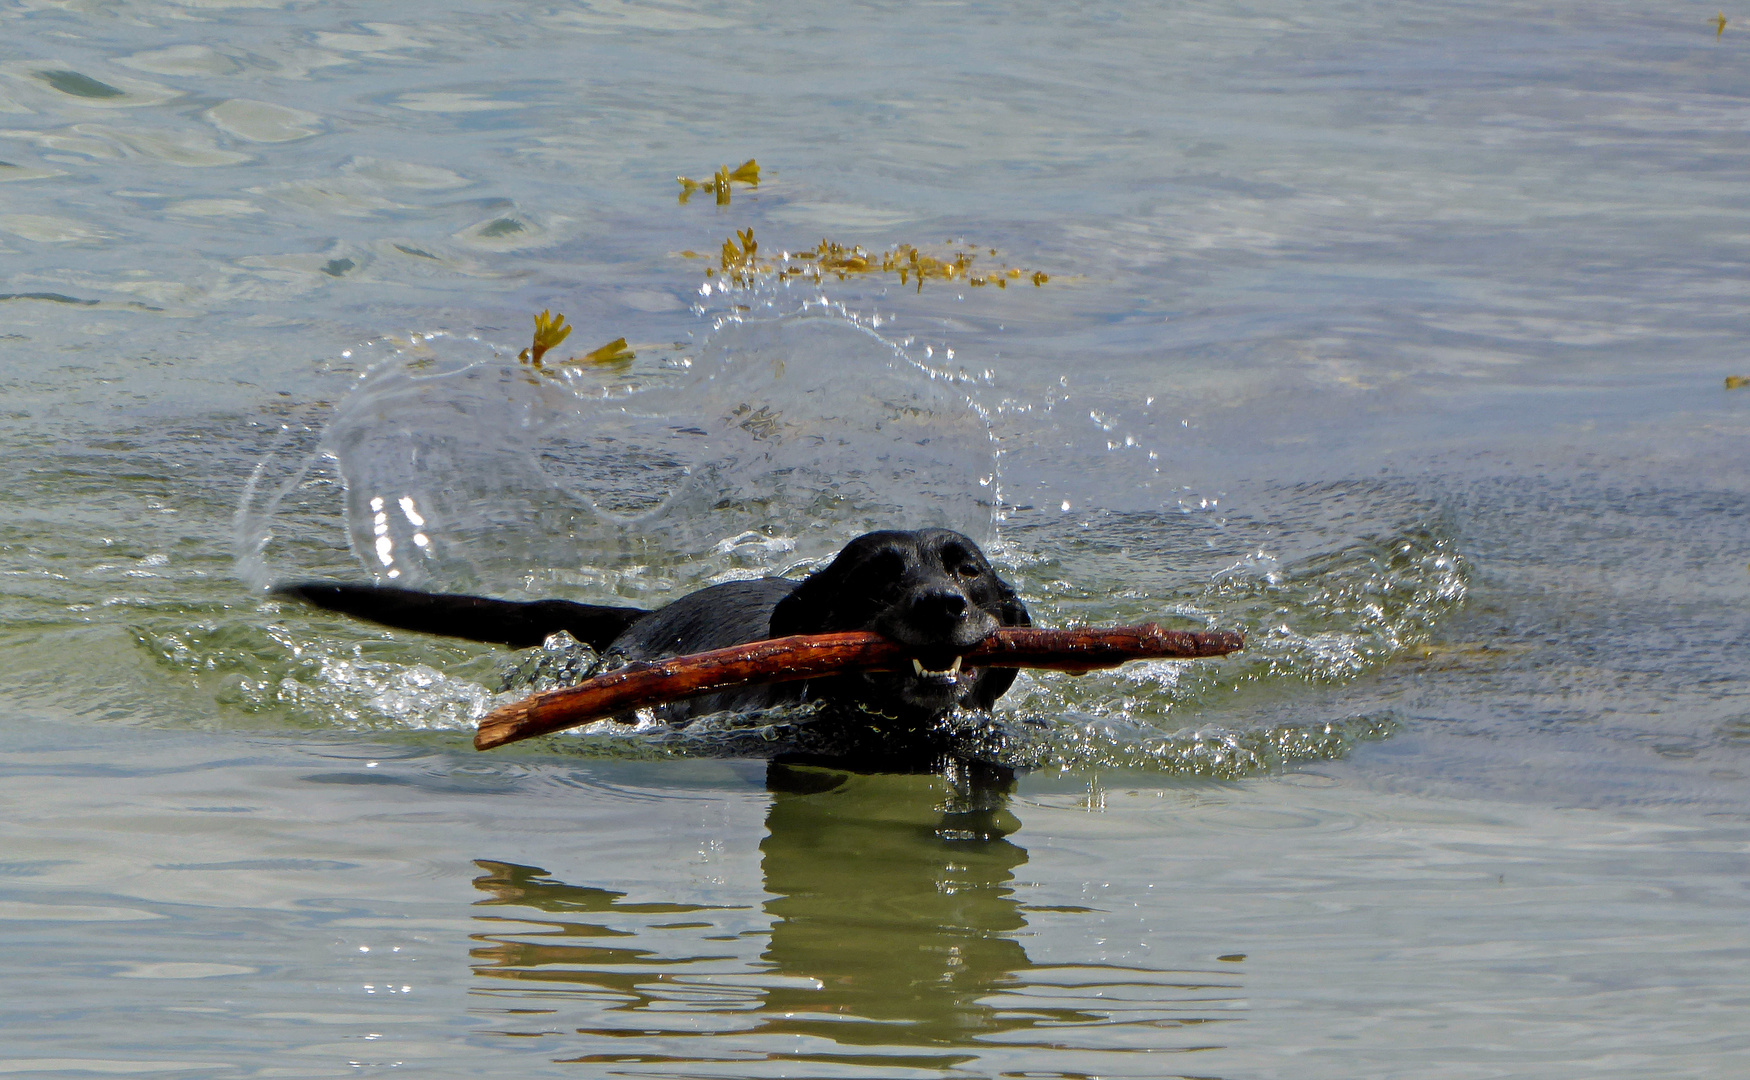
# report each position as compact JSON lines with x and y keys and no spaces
{"x":932,"y":591}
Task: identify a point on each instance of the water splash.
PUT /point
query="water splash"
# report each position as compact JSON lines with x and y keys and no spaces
{"x":449,"y":466}
{"x":459,"y":470}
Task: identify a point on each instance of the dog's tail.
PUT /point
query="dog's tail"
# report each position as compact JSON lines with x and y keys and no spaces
{"x":518,"y":623}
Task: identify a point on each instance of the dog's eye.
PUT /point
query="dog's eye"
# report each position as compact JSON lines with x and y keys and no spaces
{"x":959,"y":562}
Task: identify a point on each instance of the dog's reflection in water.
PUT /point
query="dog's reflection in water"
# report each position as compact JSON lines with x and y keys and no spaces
{"x":892,"y":942}
{"x":894,"y":893}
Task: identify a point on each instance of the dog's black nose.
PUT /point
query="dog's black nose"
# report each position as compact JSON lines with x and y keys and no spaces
{"x":938,"y":607}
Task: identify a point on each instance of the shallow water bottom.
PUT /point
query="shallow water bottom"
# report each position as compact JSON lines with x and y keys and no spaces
{"x":219,"y":905}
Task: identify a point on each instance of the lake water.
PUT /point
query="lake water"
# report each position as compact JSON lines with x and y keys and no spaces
{"x":1394,"y":336}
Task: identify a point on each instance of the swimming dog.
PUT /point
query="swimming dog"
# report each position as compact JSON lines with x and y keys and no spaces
{"x":931,"y":590}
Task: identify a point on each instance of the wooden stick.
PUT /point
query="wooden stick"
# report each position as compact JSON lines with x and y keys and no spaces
{"x":809,"y":656}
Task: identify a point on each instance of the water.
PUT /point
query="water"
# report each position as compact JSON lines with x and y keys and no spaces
{"x":1395,"y":337}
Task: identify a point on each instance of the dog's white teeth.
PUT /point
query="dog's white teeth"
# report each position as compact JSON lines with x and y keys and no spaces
{"x":955,"y":668}
{"x":924,"y":672}
{"x":917,"y":666}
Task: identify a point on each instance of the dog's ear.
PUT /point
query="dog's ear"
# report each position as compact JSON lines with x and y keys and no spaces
{"x":991,"y":685}
{"x":1010,"y":611}
{"x":994,"y":683}
{"x":805,"y":609}
{"x":847,"y":593}
{"x":832,"y":598}
{"x":998,"y":598}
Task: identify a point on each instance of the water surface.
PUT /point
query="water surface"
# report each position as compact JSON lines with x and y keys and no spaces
{"x":1395,"y":337}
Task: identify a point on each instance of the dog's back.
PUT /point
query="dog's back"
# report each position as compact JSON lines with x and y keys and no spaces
{"x":712,"y":618}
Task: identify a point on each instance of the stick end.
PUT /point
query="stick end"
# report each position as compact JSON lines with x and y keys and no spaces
{"x":500,"y":726}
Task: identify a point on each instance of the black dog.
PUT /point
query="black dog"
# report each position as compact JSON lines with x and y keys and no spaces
{"x":932,"y":591}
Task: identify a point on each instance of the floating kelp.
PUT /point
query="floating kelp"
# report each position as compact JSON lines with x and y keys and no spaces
{"x":748,"y":172}
{"x":614,"y":352}
{"x":740,"y":264}
{"x":550,"y":330}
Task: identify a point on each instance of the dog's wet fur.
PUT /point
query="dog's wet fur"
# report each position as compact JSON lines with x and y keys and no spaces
{"x":931,"y":590}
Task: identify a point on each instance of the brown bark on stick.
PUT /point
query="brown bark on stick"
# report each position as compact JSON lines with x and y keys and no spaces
{"x":810,"y":656}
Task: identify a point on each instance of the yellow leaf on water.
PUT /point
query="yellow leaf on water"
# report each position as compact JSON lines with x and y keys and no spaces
{"x":614,"y":352}
{"x":1736,"y":382}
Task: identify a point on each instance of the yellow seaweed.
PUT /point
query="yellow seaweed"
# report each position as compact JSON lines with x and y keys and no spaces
{"x":614,"y":352}
{"x":1720,"y":26}
{"x":739,"y":250}
{"x":550,"y":330}
{"x":748,"y":172}
{"x":739,"y":262}
{"x":1736,"y":382}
